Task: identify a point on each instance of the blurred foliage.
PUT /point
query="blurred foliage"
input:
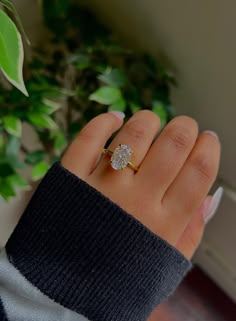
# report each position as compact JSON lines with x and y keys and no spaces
{"x":80,"y":72}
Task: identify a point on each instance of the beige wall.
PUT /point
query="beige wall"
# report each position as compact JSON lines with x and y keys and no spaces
{"x":32,"y":21}
{"x":199,"y":39}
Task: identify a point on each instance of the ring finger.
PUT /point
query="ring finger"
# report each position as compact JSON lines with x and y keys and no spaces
{"x":138,"y":133}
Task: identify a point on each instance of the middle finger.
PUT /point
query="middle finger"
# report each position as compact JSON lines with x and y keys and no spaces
{"x":168,"y":154}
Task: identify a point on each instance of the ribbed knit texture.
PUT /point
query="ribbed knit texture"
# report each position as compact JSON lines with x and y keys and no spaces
{"x":2,"y":312}
{"x":91,"y":256}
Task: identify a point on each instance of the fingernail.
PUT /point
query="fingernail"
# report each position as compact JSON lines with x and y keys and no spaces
{"x":118,"y":114}
{"x":213,"y":205}
{"x":210,"y":132}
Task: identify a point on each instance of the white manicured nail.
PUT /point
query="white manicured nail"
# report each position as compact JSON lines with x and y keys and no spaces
{"x":118,"y":114}
{"x":214,"y":204}
{"x":210,"y":132}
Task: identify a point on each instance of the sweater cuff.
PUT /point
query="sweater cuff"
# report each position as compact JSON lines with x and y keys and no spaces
{"x":91,"y":256}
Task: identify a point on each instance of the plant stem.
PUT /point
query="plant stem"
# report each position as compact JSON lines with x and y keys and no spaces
{"x":24,"y":150}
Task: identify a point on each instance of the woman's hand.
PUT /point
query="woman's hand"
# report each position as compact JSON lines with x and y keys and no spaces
{"x":169,"y":192}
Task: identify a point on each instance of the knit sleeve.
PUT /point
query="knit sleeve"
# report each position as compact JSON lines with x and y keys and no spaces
{"x":86,"y":254}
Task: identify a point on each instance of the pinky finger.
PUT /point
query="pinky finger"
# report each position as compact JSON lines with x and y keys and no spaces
{"x":192,"y":235}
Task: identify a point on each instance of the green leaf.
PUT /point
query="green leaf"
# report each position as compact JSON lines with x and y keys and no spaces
{"x":80,"y":61}
{"x":119,"y":105}
{"x":60,"y":143}
{"x":35,"y":157}
{"x":159,"y":109}
{"x":2,"y":143}
{"x":113,"y":77}
{"x":12,"y":125}
{"x":42,"y":121}
{"x":6,"y":190}
{"x":15,"y":162}
{"x":106,"y":95}
{"x":18,"y":181}
{"x":134,"y":108}
{"x":11,"y":52}
{"x":13,"y":146}
{"x":47,"y":107}
{"x":39,"y":170}
{"x":5,"y":168}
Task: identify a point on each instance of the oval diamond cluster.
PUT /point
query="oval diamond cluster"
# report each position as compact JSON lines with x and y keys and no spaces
{"x":121,"y":157}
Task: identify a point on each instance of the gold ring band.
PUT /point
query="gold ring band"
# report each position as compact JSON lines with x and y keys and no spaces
{"x":120,"y":158}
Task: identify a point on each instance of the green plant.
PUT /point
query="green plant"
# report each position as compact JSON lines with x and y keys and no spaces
{"x":11,"y":47}
{"x":81,"y":72}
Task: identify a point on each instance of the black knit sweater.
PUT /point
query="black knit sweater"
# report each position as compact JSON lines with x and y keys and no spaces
{"x":88,"y":255}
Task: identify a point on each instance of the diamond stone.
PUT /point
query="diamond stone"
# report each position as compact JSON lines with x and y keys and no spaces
{"x":121,"y":157}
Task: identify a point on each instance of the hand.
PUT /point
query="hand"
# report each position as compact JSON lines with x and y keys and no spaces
{"x":169,"y":192}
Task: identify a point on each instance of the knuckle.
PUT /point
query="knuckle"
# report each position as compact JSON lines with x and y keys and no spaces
{"x":180,"y":137}
{"x":86,"y":134}
{"x":95,"y":126}
{"x":136,"y":129}
{"x":204,"y":167}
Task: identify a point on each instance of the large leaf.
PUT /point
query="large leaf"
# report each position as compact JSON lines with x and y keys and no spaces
{"x":12,"y":125}
{"x":11,"y":52}
{"x":106,"y":95}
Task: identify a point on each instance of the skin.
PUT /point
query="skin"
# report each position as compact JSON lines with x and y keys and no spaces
{"x":176,"y":171}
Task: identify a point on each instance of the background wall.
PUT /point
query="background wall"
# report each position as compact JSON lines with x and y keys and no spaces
{"x":198,"y":37}
{"x":32,"y":20}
